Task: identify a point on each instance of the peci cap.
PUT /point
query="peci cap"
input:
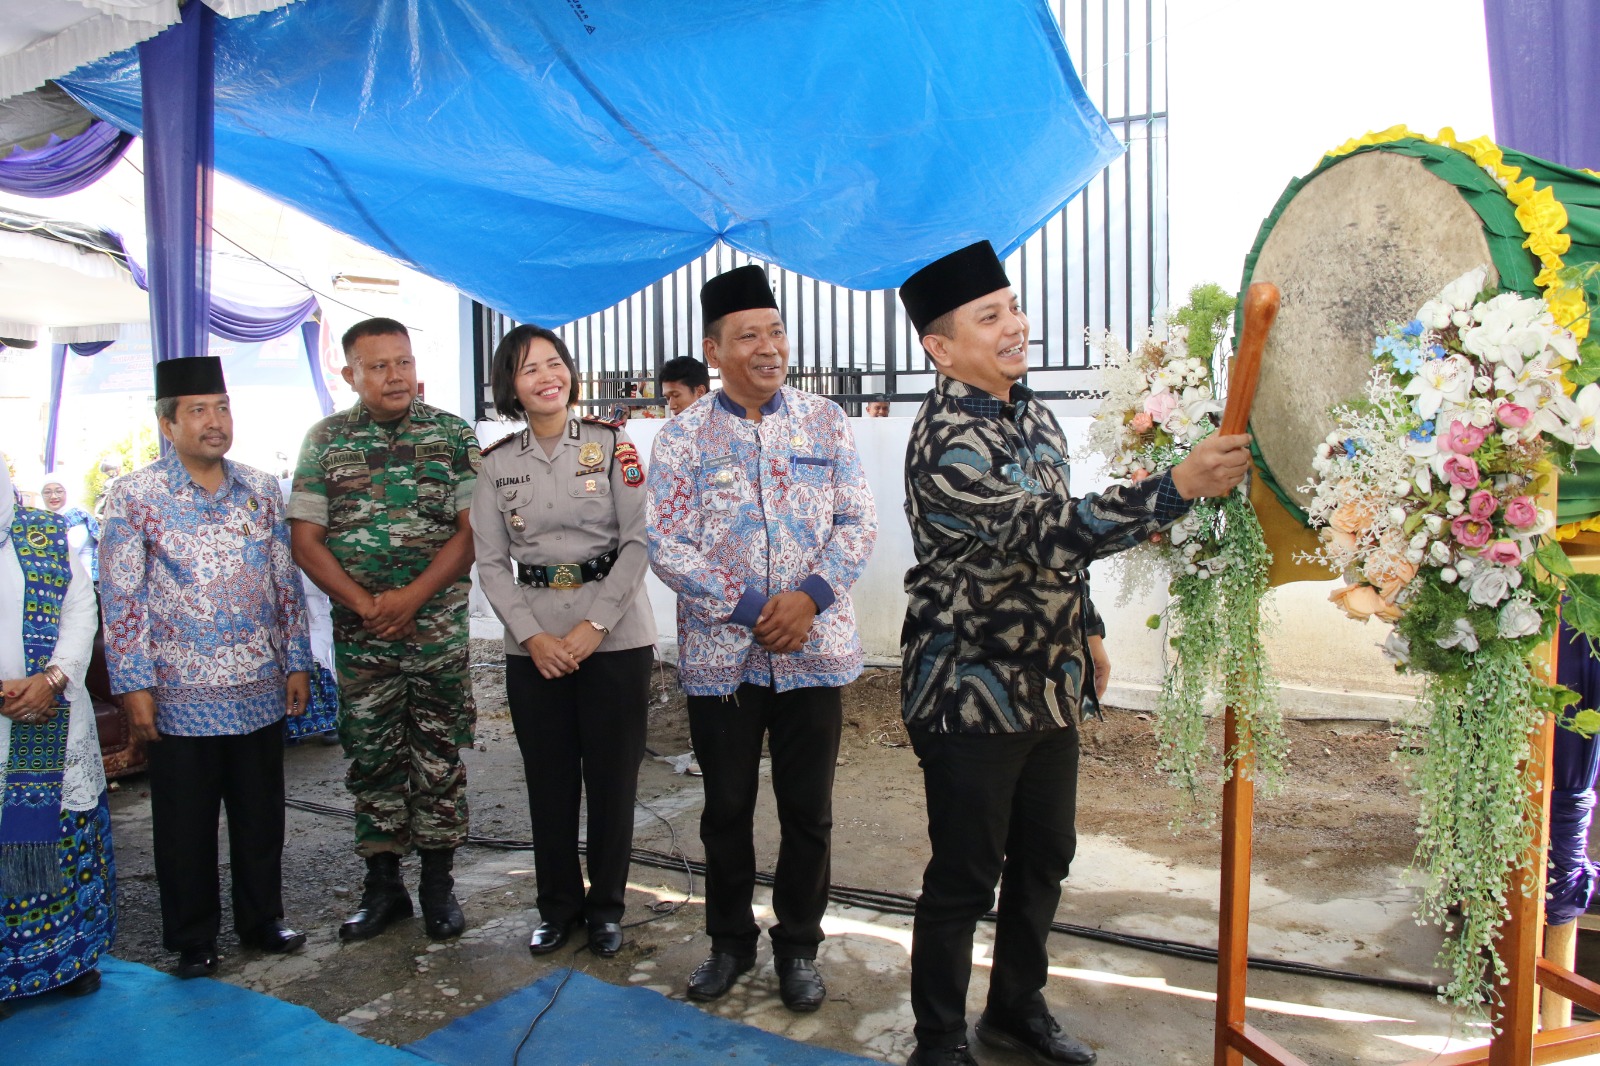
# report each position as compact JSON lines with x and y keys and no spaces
{"x":947,"y":283}
{"x":737,"y":290}
{"x":199,"y":375}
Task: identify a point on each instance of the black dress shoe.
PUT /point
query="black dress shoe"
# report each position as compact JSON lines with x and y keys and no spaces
{"x":800,"y":984}
{"x":1040,"y":1038}
{"x":550,"y":936}
{"x":712,"y":978}
{"x":274,"y":938}
{"x":605,"y":938}
{"x":960,"y":1055}
{"x":86,"y":983}
{"x":197,"y":961}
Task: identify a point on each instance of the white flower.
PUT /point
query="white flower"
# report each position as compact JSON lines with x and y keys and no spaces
{"x":1414,"y":556}
{"x":1448,"y":575}
{"x":1461,"y":320}
{"x":1455,"y":507}
{"x":1586,"y":426}
{"x":1438,"y":553}
{"x":1488,"y":585}
{"x":1481,"y":384}
{"x":1396,"y":648}
{"x":1433,"y":523}
{"x":1397,"y":515}
{"x":1435,"y":314}
{"x":1438,"y":381}
{"x":1518,"y":619}
{"x":1461,"y":293}
{"x":1461,"y":635}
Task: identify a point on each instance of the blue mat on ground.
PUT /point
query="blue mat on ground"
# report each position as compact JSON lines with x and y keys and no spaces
{"x":593,"y":1023}
{"x":143,"y":1016}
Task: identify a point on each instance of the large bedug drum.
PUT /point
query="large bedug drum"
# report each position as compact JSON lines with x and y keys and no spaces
{"x":1362,"y":242}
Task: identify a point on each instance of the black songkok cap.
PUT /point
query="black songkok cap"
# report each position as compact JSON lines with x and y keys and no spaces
{"x":945,"y":284}
{"x":737,"y":290}
{"x":199,"y":375}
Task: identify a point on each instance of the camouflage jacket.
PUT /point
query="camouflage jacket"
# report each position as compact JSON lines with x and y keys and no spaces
{"x":995,"y":636}
{"x":389,"y":496}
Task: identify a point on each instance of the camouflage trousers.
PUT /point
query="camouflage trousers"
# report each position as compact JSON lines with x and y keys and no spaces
{"x":406,"y":710}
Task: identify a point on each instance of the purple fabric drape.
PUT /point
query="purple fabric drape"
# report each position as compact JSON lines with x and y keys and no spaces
{"x":1572,"y":877}
{"x":177,"y":75}
{"x":65,"y":166}
{"x":1543,"y":78}
{"x":58,"y":370}
{"x":311,"y":334}
{"x":250,"y":325}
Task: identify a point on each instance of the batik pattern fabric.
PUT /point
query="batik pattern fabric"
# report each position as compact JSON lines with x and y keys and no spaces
{"x":322,"y":715}
{"x":201,"y":598}
{"x":996,"y":630}
{"x":49,"y":938}
{"x":35,"y":759}
{"x":740,"y":511}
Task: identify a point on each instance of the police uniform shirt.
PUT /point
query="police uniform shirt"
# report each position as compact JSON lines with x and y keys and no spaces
{"x":574,"y":505}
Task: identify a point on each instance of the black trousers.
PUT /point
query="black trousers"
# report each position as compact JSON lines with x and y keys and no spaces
{"x":582,"y":734}
{"x":189,"y":778}
{"x":1001,"y":809}
{"x":802,"y":730}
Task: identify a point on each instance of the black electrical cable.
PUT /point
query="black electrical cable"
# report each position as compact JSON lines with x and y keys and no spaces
{"x":900,"y":903}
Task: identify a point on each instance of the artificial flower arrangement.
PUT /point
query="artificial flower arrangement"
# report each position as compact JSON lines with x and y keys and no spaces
{"x":1431,"y":494}
{"x":1160,"y":400}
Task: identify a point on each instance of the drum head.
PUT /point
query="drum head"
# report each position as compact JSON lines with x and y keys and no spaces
{"x":1363,"y":244}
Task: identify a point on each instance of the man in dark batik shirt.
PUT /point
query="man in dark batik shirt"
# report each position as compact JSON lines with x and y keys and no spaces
{"x":1001,"y":651}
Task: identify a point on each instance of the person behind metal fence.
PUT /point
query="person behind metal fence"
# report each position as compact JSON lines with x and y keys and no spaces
{"x":205,"y":639}
{"x":1002,"y":651}
{"x":760,"y":519}
{"x":378,"y":517}
{"x":558,"y":520}
{"x":57,"y":873}
{"x":683,"y":381}
{"x":83,"y":528}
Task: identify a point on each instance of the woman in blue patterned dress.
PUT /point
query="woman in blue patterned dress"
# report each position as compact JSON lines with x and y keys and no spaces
{"x":57,"y":879}
{"x":83,"y":528}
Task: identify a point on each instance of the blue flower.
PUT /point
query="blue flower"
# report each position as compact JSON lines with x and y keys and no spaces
{"x":1412,"y":328}
{"x":1349,"y":449}
{"x":1438,"y":351}
{"x":1407,"y":360}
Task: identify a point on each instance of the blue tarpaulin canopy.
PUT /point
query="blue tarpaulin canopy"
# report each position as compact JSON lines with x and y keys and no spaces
{"x":551,"y":158}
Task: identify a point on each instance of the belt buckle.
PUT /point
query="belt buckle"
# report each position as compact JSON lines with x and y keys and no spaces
{"x":564,"y":576}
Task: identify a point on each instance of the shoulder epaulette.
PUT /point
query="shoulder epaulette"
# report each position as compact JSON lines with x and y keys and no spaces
{"x":507,"y":439}
{"x":612,"y":424}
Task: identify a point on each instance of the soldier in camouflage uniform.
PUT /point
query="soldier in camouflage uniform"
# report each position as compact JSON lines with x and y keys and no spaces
{"x":379,"y":522}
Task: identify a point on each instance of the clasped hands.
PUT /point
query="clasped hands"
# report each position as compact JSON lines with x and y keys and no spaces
{"x":391,"y":614}
{"x":29,"y":700}
{"x":559,"y":656}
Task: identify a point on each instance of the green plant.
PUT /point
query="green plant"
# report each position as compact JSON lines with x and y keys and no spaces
{"x":138,"y":448}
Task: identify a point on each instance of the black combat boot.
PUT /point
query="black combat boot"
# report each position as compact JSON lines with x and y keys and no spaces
{"x":384,"y":899}
{"x":441,"y":914}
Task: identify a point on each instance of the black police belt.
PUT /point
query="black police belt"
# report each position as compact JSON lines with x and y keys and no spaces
{"x":565,"y":575}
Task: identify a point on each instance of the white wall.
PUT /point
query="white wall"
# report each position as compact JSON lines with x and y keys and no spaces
{"x":1329,"y":666}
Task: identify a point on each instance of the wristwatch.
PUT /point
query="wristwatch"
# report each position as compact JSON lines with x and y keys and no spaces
{"x":597,"y":625}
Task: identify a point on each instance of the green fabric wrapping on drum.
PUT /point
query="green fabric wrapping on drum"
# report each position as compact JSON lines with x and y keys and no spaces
{"x":1578,"y":192}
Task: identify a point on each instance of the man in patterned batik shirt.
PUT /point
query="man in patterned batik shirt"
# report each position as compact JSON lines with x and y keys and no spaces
{"x":378,"y":520}
{"x":1002,"y":651}
{"x":760,"y":519}
{"x":206,"y":642}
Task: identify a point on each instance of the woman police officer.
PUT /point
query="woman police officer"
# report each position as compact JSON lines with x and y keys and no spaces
{"x":558,"y":521}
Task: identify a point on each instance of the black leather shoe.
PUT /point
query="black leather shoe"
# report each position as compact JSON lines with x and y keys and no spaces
{"x":712,"y":978}
{"x":959,"y":1055}
{"x":605,"y":938}
{"x":384,"y":900}
{"x":274,"y":938}
{"x":441,"y":912}
{"x":800,"y":984}
{"x":86,"y":983}
{"x":550,"y":936}
{"x":1040,"y":1038}
{"x":197,"y":961}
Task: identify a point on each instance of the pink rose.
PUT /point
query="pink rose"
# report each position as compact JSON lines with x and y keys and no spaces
{"x":1160,"y":405}
{"x":1522,"y":513}
{"x":1461,"y":470}
{"x":1482,"y":504}
{"x":1471,"y":532}
{"x":1463,"y":439}
{"x":1513,"y":415}
{"x":1503,"y":553}
{"x":1141,"y":422}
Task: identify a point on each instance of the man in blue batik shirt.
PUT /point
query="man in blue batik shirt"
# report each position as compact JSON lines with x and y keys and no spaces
{"x":206,"y":642}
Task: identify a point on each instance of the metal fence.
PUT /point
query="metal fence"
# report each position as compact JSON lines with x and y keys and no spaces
{"x":1100,"y":263}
